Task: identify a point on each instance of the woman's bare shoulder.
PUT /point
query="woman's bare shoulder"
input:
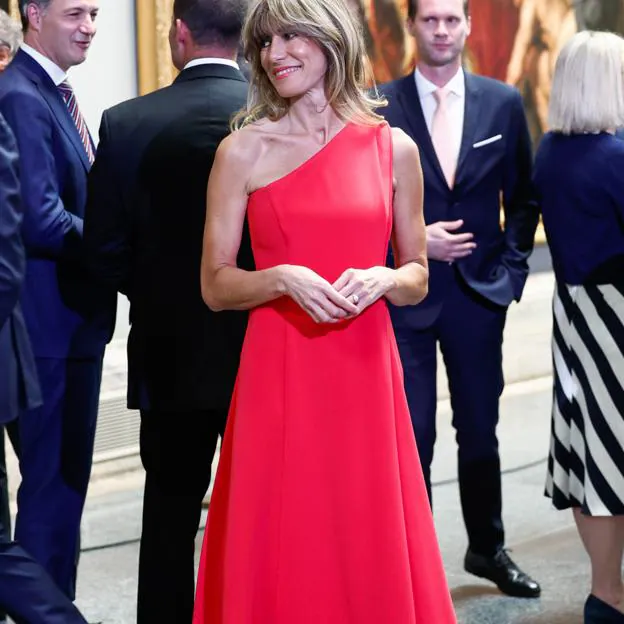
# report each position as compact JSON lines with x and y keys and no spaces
{"x":404,"y":147}
{"x":245,"y":146}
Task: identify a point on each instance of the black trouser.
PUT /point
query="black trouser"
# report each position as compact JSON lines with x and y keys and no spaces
{"x":177,"y":449}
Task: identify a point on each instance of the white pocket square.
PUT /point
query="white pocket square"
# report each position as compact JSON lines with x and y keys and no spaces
{"x":493,"y":139}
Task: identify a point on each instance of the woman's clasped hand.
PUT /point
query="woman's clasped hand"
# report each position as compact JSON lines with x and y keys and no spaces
{"x":353,"y":292}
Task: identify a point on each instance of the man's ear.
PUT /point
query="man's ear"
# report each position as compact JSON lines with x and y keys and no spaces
{"x":34,"y":15}
{"x":183,"y":32}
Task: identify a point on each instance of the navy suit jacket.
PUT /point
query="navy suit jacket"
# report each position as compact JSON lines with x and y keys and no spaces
{"x":18,"y":379}
{"x":488,"y":173}
{"x":67,"y":312}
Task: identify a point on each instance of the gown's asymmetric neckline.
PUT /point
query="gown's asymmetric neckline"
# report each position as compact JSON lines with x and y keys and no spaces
{"x":319,"y":513}
{"x":304,"y":164}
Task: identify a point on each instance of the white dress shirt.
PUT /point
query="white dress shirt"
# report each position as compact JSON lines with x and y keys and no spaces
{"x":52,"y":69}
{"x":211,"y":60}
{"x":456,"y":101}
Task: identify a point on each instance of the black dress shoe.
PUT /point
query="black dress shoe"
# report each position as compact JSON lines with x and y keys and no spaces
{"x":503,"y":572}
{"x":599,"y":612}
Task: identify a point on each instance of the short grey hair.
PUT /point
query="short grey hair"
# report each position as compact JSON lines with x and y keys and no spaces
{"x":588,"y":85}
{"x":10,"y":33}
{"x":23,"y":6}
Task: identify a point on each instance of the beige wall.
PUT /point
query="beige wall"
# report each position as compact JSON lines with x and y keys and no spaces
{"x":109,"y":75}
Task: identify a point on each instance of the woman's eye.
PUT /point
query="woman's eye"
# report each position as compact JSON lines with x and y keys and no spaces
{"x":290,"y":35}
{"x":265,"y":43}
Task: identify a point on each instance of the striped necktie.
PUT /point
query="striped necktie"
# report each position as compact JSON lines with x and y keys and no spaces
{"x":72,"y":105}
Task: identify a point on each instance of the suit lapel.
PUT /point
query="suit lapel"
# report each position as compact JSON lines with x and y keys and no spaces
{"x":54,"y":100}
{"x":472,"y":114}
{"x":410,"y":101}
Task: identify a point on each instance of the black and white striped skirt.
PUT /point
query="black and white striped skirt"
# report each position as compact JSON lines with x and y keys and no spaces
{"x":586,"y":462}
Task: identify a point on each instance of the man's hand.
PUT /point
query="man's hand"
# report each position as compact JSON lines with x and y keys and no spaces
{"x":443,"y":245}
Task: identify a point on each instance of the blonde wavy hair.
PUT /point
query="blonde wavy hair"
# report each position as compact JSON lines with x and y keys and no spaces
{"x":332,"y":25}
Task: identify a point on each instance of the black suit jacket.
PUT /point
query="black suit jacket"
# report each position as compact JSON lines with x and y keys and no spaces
{"x":494,"y":167}
{"x":144,"y":230}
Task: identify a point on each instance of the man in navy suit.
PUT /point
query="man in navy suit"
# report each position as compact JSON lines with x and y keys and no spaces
{"x":68,"y":315}
{"x":476,"y":154}
{"x":26,"y":592}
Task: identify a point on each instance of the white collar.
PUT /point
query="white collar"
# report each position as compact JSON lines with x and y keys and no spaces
{"x":456,"y":85}
{"x":211,"y":60}
{"x":56,"y":74}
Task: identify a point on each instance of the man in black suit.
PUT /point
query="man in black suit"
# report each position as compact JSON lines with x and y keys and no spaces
{"x":27,"y":593}
{"x":476,"y":153}
{"x":144,"y":230}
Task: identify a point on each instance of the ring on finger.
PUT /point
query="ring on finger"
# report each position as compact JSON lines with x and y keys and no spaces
{"x":355,"y":299}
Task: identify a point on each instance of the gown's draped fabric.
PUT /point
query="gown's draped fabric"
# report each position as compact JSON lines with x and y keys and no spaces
{"x":319,"y":513}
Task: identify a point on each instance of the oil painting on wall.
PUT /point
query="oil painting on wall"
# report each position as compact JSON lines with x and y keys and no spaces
{"x":516,"y":41}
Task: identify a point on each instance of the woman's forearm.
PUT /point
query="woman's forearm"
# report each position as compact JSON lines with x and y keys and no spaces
{"x":231,"y":288}
{"x":411,"y":284}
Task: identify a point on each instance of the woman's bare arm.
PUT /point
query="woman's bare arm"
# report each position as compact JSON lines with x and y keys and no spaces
{"x":409,"y":240}
{"x":224,"y":286}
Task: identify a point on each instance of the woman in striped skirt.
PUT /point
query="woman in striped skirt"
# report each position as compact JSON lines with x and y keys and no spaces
{"x":579,"y":178}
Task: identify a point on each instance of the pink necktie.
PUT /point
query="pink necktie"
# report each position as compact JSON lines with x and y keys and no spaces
{"x":72,"y":105}
{"x":441,"y":137}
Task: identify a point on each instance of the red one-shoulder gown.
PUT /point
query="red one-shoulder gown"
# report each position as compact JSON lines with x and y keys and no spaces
{"x":319,"y":513}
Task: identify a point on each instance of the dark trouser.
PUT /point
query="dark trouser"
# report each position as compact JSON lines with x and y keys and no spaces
{"x":5,"y":512}
{"x":177,"y":449}
{"x":55,"y":451}
{"x":27,"y":593}
{"x":470,"y":332}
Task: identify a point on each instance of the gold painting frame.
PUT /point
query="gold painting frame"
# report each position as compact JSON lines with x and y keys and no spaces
{"x":154,"y":56}
{"x":14,"y":9}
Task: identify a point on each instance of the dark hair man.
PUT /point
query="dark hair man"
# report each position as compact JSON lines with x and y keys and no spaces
{"x":144,"y":230}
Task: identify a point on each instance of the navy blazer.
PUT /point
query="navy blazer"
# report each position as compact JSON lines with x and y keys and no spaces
{"x":494,"y":166}
{"x":67,"y":312}
{"x":578,"y":179}
{"x":18,"y":379}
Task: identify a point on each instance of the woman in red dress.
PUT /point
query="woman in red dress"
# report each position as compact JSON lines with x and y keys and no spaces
{"x":319,"y":512}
